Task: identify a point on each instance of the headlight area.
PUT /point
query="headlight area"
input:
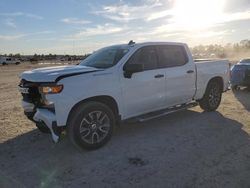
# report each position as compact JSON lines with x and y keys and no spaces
{"x":49,"y":89}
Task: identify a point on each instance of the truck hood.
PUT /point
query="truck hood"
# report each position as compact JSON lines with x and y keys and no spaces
{"x":53,"y":74}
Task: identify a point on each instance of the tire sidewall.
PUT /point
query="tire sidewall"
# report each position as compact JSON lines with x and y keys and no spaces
{"x":234,"y":87}
{"x":76,"y":121}
{"x":210,"y":87}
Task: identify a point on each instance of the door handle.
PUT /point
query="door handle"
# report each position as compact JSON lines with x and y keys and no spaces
{"x":159,"y":76}
{"x":190,"y":71}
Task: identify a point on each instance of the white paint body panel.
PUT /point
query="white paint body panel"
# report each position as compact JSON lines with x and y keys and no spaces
{"x":142,"y":93}
{"x":50,"y":74}
{"x":180,"y":86}
{"x":210,"y":69}
{"x":138,"y":95}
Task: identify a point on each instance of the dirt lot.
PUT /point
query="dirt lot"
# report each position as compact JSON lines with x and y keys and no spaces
{"x":184,"y":149}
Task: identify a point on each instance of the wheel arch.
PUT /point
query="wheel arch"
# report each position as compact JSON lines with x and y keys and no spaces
{"x":202,"y":91}
{"x":105,"y":99}
{"x":205,"y":102}
{"x":217,"y":79}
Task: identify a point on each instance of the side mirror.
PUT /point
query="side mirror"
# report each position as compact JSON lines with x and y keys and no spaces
{"x":129,"y":69}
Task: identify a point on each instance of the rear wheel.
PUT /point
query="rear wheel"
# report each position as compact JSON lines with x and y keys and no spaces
{"x":4,"y":63}
{"x":91,"y":125}
{"x":212,"y":97}
{"x":235,"y":87}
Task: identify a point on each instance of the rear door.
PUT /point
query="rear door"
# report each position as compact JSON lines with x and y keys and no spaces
{"x":180,"y":74}
{"x":144,"y":91}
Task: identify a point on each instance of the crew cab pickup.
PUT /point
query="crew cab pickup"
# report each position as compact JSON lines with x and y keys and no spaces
{"x":121,"y":82}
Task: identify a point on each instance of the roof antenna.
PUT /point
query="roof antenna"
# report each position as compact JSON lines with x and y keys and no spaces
{"x":131,"y":42}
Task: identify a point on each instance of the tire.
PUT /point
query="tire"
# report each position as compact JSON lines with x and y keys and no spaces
{"x":4,"y":63}
{"x":235,"y":87}
{"x":91,"y":125}
{"x":17,"y":63}
{"x":42,"y":127}
{"x":212,"y":97}
{"x":248,"y":88}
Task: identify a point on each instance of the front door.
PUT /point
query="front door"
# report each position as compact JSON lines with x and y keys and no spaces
{"x":144,"y":91}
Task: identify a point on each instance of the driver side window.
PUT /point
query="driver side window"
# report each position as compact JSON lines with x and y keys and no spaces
{"x":146,"y":56}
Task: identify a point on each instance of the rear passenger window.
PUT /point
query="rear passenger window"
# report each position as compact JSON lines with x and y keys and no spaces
{"x":146,"y":56}
{"x":171,"y":56}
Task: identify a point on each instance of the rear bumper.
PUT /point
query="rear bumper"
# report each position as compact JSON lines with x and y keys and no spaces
{"x":42,"y":115}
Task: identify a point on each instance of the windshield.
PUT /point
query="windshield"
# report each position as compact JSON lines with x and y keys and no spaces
{"x":105,"y":57}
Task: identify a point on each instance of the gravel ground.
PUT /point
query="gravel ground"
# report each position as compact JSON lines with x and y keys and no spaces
{"x":185,"y":149}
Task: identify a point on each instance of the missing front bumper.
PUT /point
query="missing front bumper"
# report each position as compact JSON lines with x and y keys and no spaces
{"x":49,"y":119}
{"x":42,"y":116}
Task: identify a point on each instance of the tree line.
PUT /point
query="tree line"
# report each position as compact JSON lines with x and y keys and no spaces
{"x":42,"y":57}
{"x":230,"y":50}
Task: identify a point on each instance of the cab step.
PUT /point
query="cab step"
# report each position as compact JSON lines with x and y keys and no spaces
{"x":160,"y":113}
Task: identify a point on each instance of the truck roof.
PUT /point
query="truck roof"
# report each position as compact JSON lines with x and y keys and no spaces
{"x":155,"y":43}
{"x":147,"y":44}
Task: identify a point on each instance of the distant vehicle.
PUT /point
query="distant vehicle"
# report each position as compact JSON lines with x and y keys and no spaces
{"x":244,"y":61}
{"x":121,"y":82}
{"x":34,"y":60}
{"x":8,"y":60}
{"x":240,"y":74}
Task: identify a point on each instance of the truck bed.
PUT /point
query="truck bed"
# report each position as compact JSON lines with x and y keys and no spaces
{"x":207,"y":69}
{"x":205,"y":60}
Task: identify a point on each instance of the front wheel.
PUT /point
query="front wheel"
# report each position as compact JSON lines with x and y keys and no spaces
{"x":91,"y":125}
{"x":212,"y":97}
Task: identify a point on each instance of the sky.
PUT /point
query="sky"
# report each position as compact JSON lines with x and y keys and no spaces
{"x":81,"y":26}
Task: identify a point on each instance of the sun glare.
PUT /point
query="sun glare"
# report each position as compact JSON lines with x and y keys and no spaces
{"x":197,"y":14}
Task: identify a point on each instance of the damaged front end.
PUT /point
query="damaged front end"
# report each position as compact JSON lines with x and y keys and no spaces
{"x":38,"y":109}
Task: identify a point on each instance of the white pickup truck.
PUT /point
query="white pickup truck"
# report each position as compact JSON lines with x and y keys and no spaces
{"x":116,"y":83}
